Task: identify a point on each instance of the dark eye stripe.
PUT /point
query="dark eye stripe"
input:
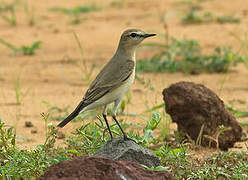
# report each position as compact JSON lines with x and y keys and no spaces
{"x":135,"y":35}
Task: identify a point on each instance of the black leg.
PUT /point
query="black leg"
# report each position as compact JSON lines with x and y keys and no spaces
{"x":106,"y":121}
{"x":124,"y":134}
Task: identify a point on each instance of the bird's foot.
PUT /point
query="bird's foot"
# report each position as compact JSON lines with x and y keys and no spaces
{"x":129,"y":139}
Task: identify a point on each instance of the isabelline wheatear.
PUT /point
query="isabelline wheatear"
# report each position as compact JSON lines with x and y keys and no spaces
{"x":114,"y":80}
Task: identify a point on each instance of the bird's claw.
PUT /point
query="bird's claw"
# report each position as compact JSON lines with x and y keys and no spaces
{"x":129,"y":139}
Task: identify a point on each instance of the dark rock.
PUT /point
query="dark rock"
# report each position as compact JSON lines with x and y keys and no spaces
{"x":118,"y":149}
{"x":100,"y":168}
{"x":28,"y":124}
{"x":191,"y":105}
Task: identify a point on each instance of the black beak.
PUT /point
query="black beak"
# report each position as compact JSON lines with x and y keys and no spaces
{"x":149,"y":35}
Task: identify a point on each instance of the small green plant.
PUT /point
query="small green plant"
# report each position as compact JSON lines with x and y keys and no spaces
{"x":158,"y":168}
{"x":7,"y":140}
{"x":148,"y":130}
{"x":7,"y":12}
{"x":118,"y":3}
{"x":75,"y":12}
{"x":27,"y":164}
{"x":30,"y":50}
{"x":55,"y":112}
{"x":175,"y":159}
{"x":227,"y":19}
{"x":236,"y":112}
{"x":193,"y":17}
{"x":224,"y":165}
{"x":185,"y":56}
{"x":193,"y":13}
{"x":19,"y":94}
{"x":85,"y":70}
{"x":27,"y":50}
{"x":93,"y":134}
{"x":29,"y":11}
{"x":243,"y":42}
{"x":191,"y":4}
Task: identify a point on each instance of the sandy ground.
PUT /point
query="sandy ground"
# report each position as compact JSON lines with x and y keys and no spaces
{"x":55,"y":73}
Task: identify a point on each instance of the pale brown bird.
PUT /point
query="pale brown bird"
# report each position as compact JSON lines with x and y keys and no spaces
{"x":114,"y":80}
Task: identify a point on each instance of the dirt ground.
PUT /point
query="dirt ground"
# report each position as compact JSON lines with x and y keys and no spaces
{"x":51,"y":76}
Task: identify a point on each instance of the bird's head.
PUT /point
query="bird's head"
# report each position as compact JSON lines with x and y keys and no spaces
{"x":133,"y":37}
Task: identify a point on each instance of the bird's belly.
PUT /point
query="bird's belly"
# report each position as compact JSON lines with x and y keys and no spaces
{"x":118,"y":92}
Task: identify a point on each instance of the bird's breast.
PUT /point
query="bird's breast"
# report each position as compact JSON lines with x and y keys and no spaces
{"x":121,"y":90}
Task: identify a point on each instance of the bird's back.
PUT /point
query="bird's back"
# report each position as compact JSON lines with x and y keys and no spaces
{"x":112,"y":76}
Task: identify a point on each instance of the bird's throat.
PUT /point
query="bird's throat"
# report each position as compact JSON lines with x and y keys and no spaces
{"x":128,"y":52}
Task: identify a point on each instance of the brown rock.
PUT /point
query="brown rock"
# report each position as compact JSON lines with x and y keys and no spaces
{"x":96,"y":167}
{"x":191,"y":105}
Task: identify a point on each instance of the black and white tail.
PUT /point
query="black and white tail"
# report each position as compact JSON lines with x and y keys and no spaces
{"x":72,"y":115}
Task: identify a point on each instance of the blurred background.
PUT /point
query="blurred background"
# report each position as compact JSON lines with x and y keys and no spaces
{"x":51,"y":50}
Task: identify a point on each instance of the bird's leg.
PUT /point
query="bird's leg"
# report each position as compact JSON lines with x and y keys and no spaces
{"x":126,"y":138}
{"x":104,"y":114}
{"x":106,"y":121}
{"x":114,"y":117}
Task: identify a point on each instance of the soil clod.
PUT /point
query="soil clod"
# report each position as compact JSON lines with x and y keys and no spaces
{"x":28,"y":124}
{"x":85,"y":167}
{"x":194,"y":107}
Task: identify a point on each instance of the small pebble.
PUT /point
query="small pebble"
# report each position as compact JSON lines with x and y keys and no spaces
{"x":28,"y":124}
{"x":33,"y":131}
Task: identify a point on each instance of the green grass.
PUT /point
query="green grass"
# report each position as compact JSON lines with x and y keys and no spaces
{"x":74,"y":13}
{"x":243,"y":41}
{"x":19,"y":163}
{"x":87,"y":70}
{"x":223,"y":165}
{"x":7,"y":12}
{"x":30,"y":13}
{"x":236,"y":112}
{"x":27,"y":50}
{"x":185,"y":56}
{"x":27,"y":164}
{"x":118,"y":3}
{"x":227,"y":19}
{"x":18,"y":92}
{"x":55,"y":112}
{"x":194,"y":15}
{"x":85,"y":140}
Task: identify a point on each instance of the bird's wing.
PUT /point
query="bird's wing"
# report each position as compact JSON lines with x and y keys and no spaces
{"x":113,"y":75}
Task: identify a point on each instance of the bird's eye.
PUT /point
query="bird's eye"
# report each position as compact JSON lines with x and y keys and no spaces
{"x":133,"y":35}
